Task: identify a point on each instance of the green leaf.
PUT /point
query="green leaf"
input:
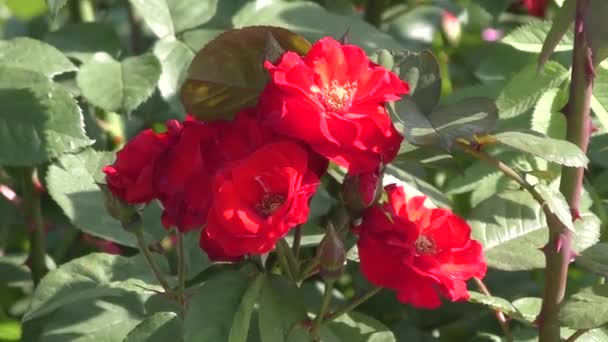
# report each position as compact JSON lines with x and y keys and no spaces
{"x":496,"y":303}
{"x":599,"y":100}
{"x":55,"y":6}
{"x":525,"y":88}
{"x":107,"y":319}
{"x":72,"y":183}
{"x":596,"y":30}
{"x":546,"y":118}
{"x":13,"y":271}
{"x":280,"y":309}
{"x":561,"y":22}
{"x":446,"y":124}
{"x":531,"y":37}
{"x":125,"y":84}
{"x":586,"y":309}
{"x":595,"y":259}
{"x":529,"y":308}
{"x":557,"y":204}
{"x":419,"y":69}
{"x":160,"y":327}
{"x":196,"y":259}
{"x":314,"y":22}
{"x":227,"y":74}
{"x":34,"y":55}
{"x":39,"y":120}
{"x":357,"y":327}
{"x":83,"y":40}
{"x":557,"y":151}
{"x":169,"y":17}
{"x":216,"y":304}
{"x":413,"y":183}
{"x":91,"y":277}
{"x":512,"y":228}
{"x":174,"y":57}
{"x":242,"y":318}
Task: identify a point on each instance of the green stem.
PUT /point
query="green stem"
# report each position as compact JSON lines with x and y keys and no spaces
{"x":66,"y":244}
{"x":352,"y":305}
{"x":558,"y":252}
{"x":509,"y":172}
{"x":35,"y":225}
{"x":181,"y":270}
{"x":297,"y":241}
{"x":86,"y":10}
{"x":143,"y":247}
{"x":576,"y":335}
{"x":500,"y":317}
{"x":292,"y":263}
{"x":325,"y":302}
{"x":310,"y":269}
{"x":282,"y":257}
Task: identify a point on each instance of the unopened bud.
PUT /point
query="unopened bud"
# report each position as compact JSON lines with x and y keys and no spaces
{"x":128,"y":215}
{"x":363,"y":190}
{"x":332,"y":255}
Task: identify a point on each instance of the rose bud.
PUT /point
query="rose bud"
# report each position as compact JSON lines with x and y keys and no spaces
{"x":363,"y":190}
{"x":129,"y":215}
{"x":332,"y":255}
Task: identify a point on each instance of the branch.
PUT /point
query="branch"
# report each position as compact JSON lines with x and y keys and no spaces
{"x":352,"y":305}
{"x":576,"y":335}
{"x":558,"y":251}
{"x":143,"y":247}
{"x":181,"y":271}
{"x":34,"y":223}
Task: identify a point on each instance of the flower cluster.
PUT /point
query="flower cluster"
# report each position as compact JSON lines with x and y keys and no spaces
{"x":246,"y":182}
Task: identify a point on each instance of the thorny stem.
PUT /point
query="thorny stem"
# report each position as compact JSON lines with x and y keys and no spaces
{"x":143,"y":247}
{"x":326,"y":301}
{"x":352,"y":305}
{"x":181,"y":270}
{"x":558,"y":251}
{"x":500,"y":317}
{"x":35,"y":225}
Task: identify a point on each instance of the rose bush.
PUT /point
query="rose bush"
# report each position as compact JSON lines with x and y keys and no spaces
{"x":250,"y":171}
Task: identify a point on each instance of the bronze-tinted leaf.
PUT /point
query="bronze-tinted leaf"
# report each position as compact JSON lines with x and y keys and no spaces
{"x":228,"y":74}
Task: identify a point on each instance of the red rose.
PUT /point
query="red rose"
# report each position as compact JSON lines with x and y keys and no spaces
{"x":131,"y":177}
{"x":257,"y":200}
{"x":183,"y":178}
{"x":417,"y":251}
{"x":185,"y":172}
{"x":537,"y":8}
{"x":333,"y":99}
